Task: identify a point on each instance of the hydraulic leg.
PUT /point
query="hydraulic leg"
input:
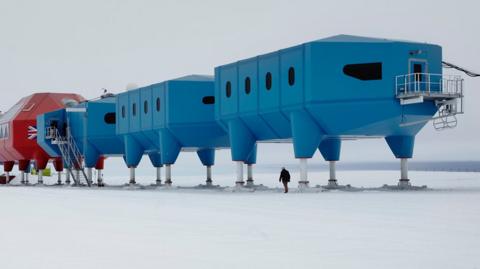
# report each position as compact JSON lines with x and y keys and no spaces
{"x":332,"y":182}
{"x":90,"y":174}
{"x":67,"y":176}
{"x":7,"y":167}
{"x":168,"y":175}
{"x":40,"y":177}
{"x":158,"y":181}
{"x":77,"y":177}
{"x":100,"y":178}
{"x":209,"y":175}
{"x":24,"y":168}
{"x":132,"y":176}
{"x":239,"y":182}
{"x":249,"y":175}
{"x":303,"y":183}
{"x":404,"y":181}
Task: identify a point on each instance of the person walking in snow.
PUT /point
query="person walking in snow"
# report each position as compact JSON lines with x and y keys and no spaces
{"x":284,"y":178}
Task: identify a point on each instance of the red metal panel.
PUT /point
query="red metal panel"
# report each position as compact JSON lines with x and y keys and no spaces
{"x":20,"y":120}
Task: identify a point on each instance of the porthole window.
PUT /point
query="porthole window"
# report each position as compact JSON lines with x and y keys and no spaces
{"x":291,"y":76}
{"x":208,"y":100}
{"x":268,"y":81}
{"x":247,"y":85}
{"x":145,"y":107}
{"x":228,"y":89}
{"x":123,"y":111}
{"x":134,"y":109}
{"x":158,"y":104}
{"x":110,"y":118}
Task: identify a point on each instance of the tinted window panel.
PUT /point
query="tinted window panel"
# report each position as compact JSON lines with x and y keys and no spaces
{"x":228,"y":89}
{"x":248,"y":85}
{"x":291,"y":76}
{"x":109,"y":118}
{"x":208,"y":100}
{"x":366,"y":71}
{"x":268,"y":81}
{"x":158,"y":104}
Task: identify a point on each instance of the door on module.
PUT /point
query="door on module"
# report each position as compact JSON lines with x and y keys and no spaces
{"x":418,"y":75}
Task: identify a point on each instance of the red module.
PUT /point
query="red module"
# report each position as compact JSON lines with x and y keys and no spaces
{"x":18,"y":130}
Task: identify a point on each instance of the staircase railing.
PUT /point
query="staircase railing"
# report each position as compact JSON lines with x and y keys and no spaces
{"x":70,"y":152}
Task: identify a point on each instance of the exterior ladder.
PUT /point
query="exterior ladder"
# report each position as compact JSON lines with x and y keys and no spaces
{"x":71,"y":155}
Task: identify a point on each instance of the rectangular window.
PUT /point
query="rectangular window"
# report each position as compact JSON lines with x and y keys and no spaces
{"x":364,"y":71}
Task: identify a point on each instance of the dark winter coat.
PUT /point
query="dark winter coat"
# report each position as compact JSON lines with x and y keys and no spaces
{"x":284,"y":176}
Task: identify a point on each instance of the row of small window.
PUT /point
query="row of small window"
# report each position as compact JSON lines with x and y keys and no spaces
{"x":207,"y":100}
{"x":268,"y":82}
{"x":4,"y":132}
{"x":364,"y":71}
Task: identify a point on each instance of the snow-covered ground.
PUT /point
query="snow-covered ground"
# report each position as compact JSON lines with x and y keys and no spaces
{"x":90,"y":228}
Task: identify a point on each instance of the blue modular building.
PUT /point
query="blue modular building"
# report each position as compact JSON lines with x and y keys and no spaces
{"x":91,"y":128}
{"x":342,"y":87}
{"x":314,"y":95}
{"x":165,"y":118}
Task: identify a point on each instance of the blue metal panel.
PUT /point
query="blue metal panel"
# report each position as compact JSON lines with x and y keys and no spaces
{"x":228,"y":75}
{"x":146,"y":108}
{"x":123,"y":110}
{"x":101,"y":134}
{"x":292,"y":95}
{"x":248,"y":69}
{"x":159,"y":112}
{"x":185,"y":102}
{"x":269,"y":98}
{"x":43,"y":122}
{"x":325,"y":100}
{"x":134,"y":114}
{"x":187,"y":113}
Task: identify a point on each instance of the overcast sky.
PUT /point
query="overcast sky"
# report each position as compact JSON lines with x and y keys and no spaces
{"x":83,"y":46}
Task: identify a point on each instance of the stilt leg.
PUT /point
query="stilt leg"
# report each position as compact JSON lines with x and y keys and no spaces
{"x":40,"y":177}
{"x":303,"y":183}
{"x":404,"y":181}
{"x":332,"y":182}
{"x":67,"y":177}
{"x":7,"y":178}
{"x":168,"y":175}
{"x":59,"y":180}
{"x":90,"y":174}
{"x":99,"y":178}
{"x":22,"y":177}
{"x":132,"y":176}
{"x":77,"y":177}
{"x":209,"y":175}
{"x":26,"y":179}
{"x":249,"y":175}
{"x":240,"y":182}
{"x":159,"y":176}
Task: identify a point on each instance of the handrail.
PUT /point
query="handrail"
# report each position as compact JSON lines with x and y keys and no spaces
{"x":70,"y":152}
{"x":428,"y":83}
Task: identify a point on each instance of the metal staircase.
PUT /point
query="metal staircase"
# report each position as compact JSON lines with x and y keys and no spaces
{"x":71,"y":154}
{"x":445,"y":91}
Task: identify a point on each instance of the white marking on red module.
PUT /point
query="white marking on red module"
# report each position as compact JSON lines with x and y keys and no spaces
{"x":32,"y":132}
